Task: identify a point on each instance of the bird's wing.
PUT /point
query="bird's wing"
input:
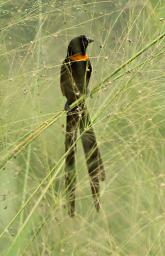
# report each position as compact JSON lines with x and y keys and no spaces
{"x":68,"y":85}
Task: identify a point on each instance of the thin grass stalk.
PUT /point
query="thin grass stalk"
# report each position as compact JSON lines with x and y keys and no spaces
{"x":39,"y":130}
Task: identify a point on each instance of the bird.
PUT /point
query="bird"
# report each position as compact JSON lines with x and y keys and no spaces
{"x":76,"y":70}
{"x":75,"y":75}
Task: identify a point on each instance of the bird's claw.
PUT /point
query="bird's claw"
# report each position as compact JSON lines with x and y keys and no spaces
{"x":67,"y":107}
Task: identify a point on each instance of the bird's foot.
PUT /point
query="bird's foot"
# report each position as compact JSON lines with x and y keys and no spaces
{"x":67,"y":107}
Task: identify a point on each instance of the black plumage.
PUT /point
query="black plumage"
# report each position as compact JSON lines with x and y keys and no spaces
{"x":75,"y":75}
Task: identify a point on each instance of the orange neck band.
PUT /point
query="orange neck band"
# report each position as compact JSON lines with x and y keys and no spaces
{"x":79,"y":57}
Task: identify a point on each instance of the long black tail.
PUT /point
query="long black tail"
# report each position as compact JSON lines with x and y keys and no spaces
{"x":93,"y":158}
{"x":72,"y":122}
{"x":79,"y":116}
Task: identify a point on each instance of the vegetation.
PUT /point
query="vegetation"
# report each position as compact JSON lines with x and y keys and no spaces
{"x":127,"y":109}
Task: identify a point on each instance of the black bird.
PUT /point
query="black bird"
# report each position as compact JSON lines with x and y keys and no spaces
{"x":75,"y":75}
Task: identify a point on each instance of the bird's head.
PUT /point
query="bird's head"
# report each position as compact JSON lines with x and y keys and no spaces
{"x":78,"y":45}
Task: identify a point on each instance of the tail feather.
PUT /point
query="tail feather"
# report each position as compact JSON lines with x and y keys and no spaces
{"x":92,"y":154}
{"x":94,"y":162}
{"x":72,"y":121}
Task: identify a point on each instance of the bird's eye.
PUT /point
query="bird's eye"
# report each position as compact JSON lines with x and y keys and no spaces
{"x":85,"y":40}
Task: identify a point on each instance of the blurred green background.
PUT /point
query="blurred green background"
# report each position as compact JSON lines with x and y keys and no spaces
{"x":128,"y":117}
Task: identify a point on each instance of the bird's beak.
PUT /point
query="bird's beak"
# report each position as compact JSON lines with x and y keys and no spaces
{"x":90,"y":40}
